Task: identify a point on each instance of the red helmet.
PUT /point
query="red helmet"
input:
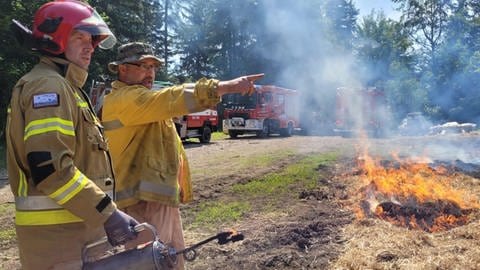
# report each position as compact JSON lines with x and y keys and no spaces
{"x":54,"y":21}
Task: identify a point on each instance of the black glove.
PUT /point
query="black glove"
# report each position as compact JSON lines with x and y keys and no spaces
{"x":120,"y":228}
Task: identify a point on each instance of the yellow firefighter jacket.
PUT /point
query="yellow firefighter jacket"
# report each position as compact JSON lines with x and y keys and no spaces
{"x":148,"y":156}
{"x":58,"y":166}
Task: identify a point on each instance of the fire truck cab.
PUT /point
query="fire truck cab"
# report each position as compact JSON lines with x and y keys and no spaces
{"x":270,"y":109}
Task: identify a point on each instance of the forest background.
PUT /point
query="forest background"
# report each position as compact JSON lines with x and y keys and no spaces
{"x":428,"y":60}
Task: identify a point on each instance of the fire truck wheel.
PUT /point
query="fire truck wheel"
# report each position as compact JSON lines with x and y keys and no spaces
{"x":288,"y":131}
{"x":265,"y":130}
{"x":232,"y":134}
{"x":206,"y":135}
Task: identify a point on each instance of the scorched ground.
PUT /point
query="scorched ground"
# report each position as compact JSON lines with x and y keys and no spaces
{"x":314,"y":226}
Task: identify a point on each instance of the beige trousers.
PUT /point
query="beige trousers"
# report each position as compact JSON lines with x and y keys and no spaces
{"x":165,"y":219}
{"x":70,"y":265}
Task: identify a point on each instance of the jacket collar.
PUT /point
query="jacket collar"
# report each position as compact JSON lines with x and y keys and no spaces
{"x":72,"y":73}
{"x":118,"y":84}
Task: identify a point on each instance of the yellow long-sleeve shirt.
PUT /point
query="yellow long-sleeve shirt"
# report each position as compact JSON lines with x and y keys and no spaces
{"x":148,"y":156}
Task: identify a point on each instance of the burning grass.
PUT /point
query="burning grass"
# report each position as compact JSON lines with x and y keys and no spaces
{"x":430,"y":217}
{"x":412,"y":216}
{"x":414,"y":195}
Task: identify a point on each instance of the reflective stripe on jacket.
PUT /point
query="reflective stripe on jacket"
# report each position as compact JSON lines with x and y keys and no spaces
{"x":148,"y":156}
{"x":58,"y":165}
{"x":42,"y":210}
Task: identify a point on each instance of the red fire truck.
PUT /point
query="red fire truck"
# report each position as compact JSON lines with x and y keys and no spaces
{"x":361,"y":110}
{"x":195,"y":125}
{"x":270,"y":109}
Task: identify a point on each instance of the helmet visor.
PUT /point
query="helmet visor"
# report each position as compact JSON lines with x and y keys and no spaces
{"x":99,"y":30}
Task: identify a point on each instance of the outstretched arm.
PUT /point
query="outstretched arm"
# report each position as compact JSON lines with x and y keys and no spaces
{"x":243,"y":85}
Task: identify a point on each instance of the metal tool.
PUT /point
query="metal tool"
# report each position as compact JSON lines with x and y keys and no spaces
{"x":190,"y":253}
{"x":152,"y":255}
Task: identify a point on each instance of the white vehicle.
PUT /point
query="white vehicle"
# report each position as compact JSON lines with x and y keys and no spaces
{"x":414,"y":124}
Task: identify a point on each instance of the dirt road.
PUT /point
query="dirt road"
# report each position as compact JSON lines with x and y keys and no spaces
{"x":306,"y":227}
{"x":309,"y":232}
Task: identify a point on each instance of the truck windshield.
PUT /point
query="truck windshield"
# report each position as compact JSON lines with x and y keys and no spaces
{"x":237,"y":100}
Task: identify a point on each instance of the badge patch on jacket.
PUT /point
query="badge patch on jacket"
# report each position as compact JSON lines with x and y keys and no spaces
{"x":45,"y":100}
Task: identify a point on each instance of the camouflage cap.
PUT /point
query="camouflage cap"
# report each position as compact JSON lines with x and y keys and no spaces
{"x":131,"y":53}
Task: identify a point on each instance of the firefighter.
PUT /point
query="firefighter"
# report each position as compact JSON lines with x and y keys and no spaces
{"x":58,"y":165}
{"x":148,"y":155}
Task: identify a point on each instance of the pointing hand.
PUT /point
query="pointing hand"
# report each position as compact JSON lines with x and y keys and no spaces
{"x":243,"y":85}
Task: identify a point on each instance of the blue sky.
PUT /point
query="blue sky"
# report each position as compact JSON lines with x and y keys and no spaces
{"x":366,"y":6}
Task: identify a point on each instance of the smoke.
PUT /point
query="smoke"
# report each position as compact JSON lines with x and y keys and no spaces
{"x":308,"y":48}
{"x":456,"y":93}
{"x":309,"y":62}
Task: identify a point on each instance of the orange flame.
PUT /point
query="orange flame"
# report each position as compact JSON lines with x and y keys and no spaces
{"x":412,"y":183}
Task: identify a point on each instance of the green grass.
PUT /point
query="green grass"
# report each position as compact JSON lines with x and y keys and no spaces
{"x":245,"y":162}
{"x":217,"y":136}
{"x":264,"y":160}
{"x":7,"y":232}
{"x":304,"y":171}
{"x":7,"y":236}
{"x":220,"y":213}
{"x":7,"y":209}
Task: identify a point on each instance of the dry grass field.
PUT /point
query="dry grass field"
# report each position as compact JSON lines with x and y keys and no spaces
{"x":300,"y":203}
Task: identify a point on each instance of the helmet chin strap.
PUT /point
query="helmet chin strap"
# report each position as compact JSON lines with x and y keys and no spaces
{"x":46,"y":44}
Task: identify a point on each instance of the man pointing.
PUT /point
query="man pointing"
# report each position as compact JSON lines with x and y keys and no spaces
{"x":150,"y":164}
